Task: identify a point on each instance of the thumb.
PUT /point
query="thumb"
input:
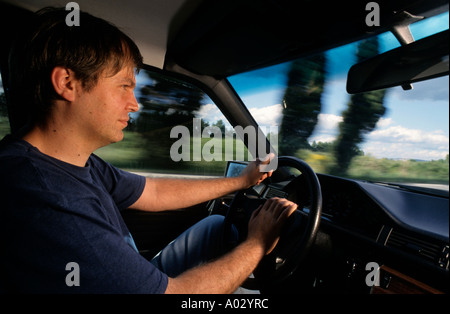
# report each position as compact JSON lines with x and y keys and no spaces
{"x":264,"y":162}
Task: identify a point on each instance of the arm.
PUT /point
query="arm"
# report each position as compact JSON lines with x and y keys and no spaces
{"x":165,"y":194}
{"x":225,"y":274}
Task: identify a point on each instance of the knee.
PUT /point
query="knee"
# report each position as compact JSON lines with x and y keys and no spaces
{"x":216,"y":220}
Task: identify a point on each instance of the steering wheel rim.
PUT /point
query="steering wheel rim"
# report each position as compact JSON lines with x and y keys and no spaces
{"x":288,"y":255}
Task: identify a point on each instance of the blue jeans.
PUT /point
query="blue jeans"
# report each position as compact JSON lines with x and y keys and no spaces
{"x":199,"y":244}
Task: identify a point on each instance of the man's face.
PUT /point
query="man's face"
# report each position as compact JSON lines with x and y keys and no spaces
{"x":103,"y":111}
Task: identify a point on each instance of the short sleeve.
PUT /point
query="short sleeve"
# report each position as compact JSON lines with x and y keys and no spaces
{"x":124,"y":187}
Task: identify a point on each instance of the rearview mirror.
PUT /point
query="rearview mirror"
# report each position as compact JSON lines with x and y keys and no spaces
{"x":421,"y":60}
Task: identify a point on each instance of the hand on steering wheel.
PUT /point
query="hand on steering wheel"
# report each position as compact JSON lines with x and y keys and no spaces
{"x":267,"y":221}
{"x":287,"y":232}
{"x":256,"y":171}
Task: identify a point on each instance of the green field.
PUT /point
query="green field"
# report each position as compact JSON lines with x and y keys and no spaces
{"x":139,"y":153}
{"x":381,"y":169}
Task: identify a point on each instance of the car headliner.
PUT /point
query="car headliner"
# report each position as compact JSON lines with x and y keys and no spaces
{"x":224,"y":37}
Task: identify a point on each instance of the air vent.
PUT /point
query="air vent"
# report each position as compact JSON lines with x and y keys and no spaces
{"x":419,"y":246}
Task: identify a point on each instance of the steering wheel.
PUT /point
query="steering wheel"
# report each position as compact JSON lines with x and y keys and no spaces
{"x":297,"y":235}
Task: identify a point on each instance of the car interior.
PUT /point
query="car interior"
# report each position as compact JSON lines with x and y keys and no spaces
{"x":350,"y":235}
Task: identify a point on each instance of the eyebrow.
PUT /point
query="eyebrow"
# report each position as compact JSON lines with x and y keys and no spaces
{"x":128,"y":81}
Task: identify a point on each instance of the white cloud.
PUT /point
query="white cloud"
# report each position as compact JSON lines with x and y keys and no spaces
{"x":401,"y":134}
{"x":326,"y":129}
{"x":384,"y":122}
{"x":269,"y":116}
{"x":389,"y":140}
{"x":395,"y":141}
{"x":403,"y":151}
{"x":324,"y":138}
{"x":328,"y":121}
{"x":210,"y":113}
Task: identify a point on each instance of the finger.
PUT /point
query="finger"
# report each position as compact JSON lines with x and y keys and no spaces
{"x":266,"y":160}
{"x":263,"y":177}
{"x":272,"y":203}
{"x":280,"y":209}
{"x":287,"y":212}
{"x":277,"y":206}
{"x":256,"y":212}
{"x":290,"y":209}
{"x":264,"y":163}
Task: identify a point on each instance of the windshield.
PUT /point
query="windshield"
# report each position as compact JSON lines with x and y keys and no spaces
{"x":389,"y":135}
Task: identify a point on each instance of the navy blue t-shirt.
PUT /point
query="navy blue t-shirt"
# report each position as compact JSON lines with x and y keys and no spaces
{"x":53,"y":214}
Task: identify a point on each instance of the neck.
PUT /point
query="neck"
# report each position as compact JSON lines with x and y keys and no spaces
{"x":60,"y":143}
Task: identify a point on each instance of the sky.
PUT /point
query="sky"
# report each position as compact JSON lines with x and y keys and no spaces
{"x":415,"y":126}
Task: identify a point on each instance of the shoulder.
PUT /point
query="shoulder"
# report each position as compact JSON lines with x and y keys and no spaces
{"x":22,"y":173}
{"x":11,"y":146}
{"x":110,"y":173}
{"x":16,"y":164}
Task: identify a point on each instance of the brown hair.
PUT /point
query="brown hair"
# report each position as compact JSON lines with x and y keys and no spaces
{"x":90,"y":49}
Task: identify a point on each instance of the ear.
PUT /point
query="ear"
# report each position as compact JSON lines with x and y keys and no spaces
{"x":64,"y":83}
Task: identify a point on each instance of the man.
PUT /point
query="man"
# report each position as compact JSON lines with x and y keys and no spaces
{"x":61,"y":204}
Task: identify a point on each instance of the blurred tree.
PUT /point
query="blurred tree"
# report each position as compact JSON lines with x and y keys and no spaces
{"x":302,"y":103}
{"x":322,"y":147}
{"x":4,"y":121}
{"x":361,"y":116}
{"x":165,"y":103}
{"x":219,"y":124}
{"x":3,"y":108}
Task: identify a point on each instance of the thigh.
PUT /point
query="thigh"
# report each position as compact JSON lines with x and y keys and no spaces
{"x":202,"y":242}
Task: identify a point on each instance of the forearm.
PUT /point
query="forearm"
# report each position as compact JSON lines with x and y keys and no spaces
{"x":223,"y":275}
{"x":166,"y":194}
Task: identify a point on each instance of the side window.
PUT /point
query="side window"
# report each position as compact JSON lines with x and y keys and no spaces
{"x":4,"y":121}
{"x":177,"y":130}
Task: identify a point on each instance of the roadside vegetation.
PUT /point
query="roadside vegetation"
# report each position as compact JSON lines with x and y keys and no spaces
{"x":132,"y":154}
{"x":368,"y":167}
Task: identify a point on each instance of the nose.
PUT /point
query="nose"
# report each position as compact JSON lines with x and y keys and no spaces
{"x":133,"y":105}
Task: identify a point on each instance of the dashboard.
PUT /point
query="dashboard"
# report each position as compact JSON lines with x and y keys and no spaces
{"x":393,"y":224}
